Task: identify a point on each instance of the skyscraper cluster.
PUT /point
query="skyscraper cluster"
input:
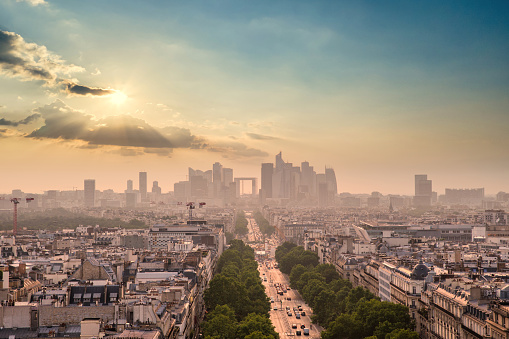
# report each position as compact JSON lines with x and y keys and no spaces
{"x":217,"y":183}
{"x":284,"y":181}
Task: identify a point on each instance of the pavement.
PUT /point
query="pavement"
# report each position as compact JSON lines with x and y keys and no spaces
{"x":280,"y":318}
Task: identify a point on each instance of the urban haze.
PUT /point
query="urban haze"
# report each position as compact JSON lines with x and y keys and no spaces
{"x":259,"y":170}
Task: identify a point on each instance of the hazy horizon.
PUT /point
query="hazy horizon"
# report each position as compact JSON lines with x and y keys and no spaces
{"x":377,"y":91}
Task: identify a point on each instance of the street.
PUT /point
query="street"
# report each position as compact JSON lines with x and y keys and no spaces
{"x":284,"y":311}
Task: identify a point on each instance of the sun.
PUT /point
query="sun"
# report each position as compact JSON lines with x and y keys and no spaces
{"x":118,"y":98}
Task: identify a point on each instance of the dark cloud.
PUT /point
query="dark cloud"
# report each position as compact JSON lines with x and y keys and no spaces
{"x":62,"y":122}
{"x":236,"y":150}
{"x":76,"y":89}
{"x":126,"y":131}
{"x":163,"y":152}
{"x":29,"y":61}
{"x":182,"y":137}
{"x":134,"y":136}
{"x":261,"y":136}
{"x":27,"y":120}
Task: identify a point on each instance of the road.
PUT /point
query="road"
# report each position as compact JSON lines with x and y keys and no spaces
{"x":278,"y":313}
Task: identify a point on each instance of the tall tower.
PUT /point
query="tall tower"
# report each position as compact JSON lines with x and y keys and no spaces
{"x":89,"y":192}
{"x":267,"y":172}
{"x":217,"y":178}
{"x":423,"y":190}
{"x":143,"y":185}
{"x":129,"y":186}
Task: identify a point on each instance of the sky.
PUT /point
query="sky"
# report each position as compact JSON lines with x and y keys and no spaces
{"x":378,"y":90}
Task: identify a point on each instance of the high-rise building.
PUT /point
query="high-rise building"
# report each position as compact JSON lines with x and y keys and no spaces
{"x":266,"y":189}
{"x":89,"y":192}
{"x":129,"y":186}
{"x":227,"y":176}
{"x":217,"y":179}
{"x":155,"y":188}
{"x":143,"y":185}
{"x":423,"y":191}
{"x":131,"y":199}
{"x":332,"y":185}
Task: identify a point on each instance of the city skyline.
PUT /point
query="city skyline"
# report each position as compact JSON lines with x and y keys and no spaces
{"x":378,"y":92}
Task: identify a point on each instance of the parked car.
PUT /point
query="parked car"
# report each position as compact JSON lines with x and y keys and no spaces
{"x":306,"y":331}
{"x":298,"y":332}
{"x":294,"y":325}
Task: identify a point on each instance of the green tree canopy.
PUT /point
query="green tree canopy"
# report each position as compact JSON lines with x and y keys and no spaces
{"x":256,"y":323}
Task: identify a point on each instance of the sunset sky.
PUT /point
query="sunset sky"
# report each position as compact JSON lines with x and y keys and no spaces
{"x":378,"y":90}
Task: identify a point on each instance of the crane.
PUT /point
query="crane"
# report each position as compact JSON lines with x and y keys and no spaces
{"x":16,"y":201}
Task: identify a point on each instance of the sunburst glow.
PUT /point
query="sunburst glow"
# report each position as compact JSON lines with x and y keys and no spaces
{"x":118,"y":98}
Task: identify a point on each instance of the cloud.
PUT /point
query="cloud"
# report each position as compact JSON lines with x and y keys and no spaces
{"x":164,"y":152}
{"x":76,"y":89}
{"x":63,"y":122}
{"x":31,"y":62}
{"x":261,"y":136}
{"x":26,"y":121}
{"x":134,"y":136}
{"x":236,"y":150}
{"x":34,"y":2}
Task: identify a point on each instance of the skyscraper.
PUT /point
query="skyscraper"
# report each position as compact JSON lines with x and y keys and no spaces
{"x":227,"y":176}
{"x":143,"y":185}
{"x":217,"y":178}
{"x":89,"y":192}
{"x":266,"y":189}
{"x":155,"y":188}
{"x":129,"y":186}
{"x":423,"y":191}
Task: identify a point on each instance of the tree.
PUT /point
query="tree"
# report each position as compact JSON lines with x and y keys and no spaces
{"x":220,"y":323}
{"x":306,"y":277}
{"x":258,"y":335}
{"x":283,"y":249}
{"x":256,"y":322}
{"x":231,"y":270}
{"x":325,"y":307}
{"x":382,"y":317}
{"x":312,"y":289}
{"x":227,"y":291}
{"x":230,"y":256}
{"x":337,"y":285}
{"x":345,"y":326}
{"x":402,"y":334}
{"x":355,"y":295}
{"x":296,"y":273}
{"x":328,"y":271}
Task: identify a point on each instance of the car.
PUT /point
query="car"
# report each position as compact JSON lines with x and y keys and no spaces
{"x":289,"y":313}
{"x":275,"y":308}
{"x":303,"y":326}
{"x":289,"y":298}
{"x":303,"y":313}
{"x":298,"y":332}
{"x":294,"y":325}
{"x":306,"y":331}
{"x":297,"y":315}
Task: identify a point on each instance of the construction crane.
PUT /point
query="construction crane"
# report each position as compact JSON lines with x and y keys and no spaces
{"x":191,"y":206}
{"x":16,"y":201}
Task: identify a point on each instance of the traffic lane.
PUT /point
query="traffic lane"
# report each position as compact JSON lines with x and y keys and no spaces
{"x":277,"y":317}
{"x":296,"y":299}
